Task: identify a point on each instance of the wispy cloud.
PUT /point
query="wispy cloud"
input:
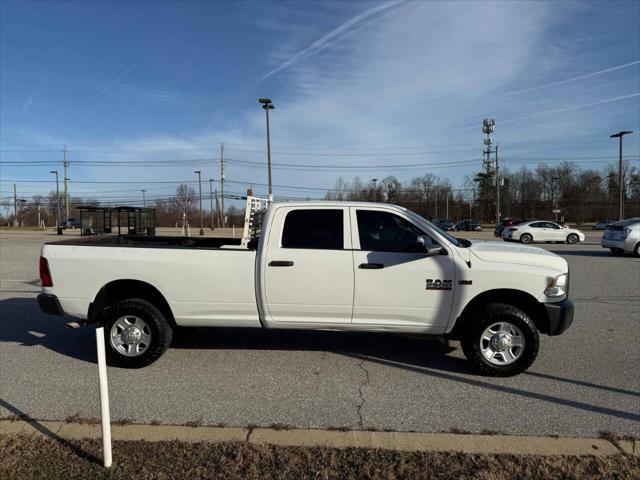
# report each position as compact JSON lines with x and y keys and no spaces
{"x":343,"y":31}
{"x":571,"y":109}
{"x":568,"y":80}
{"x":29,"y":100}
{"x":115,"y":80}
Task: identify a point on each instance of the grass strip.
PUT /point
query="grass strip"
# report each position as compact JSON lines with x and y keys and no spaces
{"x":34,"y":456}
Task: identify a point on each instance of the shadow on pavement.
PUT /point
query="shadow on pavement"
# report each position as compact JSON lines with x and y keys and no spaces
{"x":48,"y":433}
{"x":22,"y":322}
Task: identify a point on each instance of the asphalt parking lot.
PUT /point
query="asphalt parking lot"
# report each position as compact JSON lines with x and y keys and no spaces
{"x":583,"y":382}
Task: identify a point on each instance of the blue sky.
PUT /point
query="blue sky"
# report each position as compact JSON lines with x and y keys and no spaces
{"x":366,"y":86}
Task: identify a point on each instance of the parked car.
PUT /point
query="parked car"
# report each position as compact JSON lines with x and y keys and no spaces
{"x":468,"y":226}
{"x":542,"y":231}
{"x":70,"y":223}
{"x":444,"y":224}
{"x":602,"y":224}
{"x":623,"y":237}
{"x":316,"y":265}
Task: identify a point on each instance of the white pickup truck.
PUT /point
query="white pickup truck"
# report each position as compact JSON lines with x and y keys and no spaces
{"x":316,"y":265}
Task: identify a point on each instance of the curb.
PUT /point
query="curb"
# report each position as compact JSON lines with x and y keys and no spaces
{"x":295,"y":437}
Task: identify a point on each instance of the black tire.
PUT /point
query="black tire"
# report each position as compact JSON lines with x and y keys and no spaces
{"x":158,"y":327}
{"x":499,"y":312}
{"x":573,"y":238}
{"x":526,"y":238}
{"x":616,"y":251}
{"x":636,"y":251}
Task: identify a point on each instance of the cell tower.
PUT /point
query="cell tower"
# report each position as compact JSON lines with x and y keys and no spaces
{"x":488,"y":126}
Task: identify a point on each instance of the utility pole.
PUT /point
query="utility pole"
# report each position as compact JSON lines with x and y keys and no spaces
{"x":58,"y":226}
{"x":267,"y":104}
{"x":15,"y":207}
{"x":200,"y":194}
{"x":144,"y":198}
{"x":497,"y":187}
{"x":66,"y":181}
{"x":619,"y":136}
{"x":436,"y":194}
{"x":222,"y":183}
{"x":447,"y":206}
{"x":211,"y":198}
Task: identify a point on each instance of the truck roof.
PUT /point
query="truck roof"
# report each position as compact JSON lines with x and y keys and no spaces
{"x":339,"y":203}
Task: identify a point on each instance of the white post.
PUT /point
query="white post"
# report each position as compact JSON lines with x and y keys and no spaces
{"x":104,"y":398}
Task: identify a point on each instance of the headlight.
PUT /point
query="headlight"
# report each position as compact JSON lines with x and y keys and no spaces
{"x":558,"y":286}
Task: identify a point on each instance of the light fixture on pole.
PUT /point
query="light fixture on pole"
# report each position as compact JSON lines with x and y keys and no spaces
{"x":200,"y":194}
{"x":619,"y":136}
{"x":59,"y":227}
{"x":268,"y":105}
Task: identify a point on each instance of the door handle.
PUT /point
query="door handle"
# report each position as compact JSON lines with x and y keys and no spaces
{"x":371,"y":266}
{"x":281,"y":263}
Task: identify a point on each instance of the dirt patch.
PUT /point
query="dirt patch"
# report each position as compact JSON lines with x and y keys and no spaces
{"x":25,"y":456}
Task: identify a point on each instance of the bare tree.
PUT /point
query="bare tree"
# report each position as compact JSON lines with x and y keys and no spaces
{"x":184,"y":199}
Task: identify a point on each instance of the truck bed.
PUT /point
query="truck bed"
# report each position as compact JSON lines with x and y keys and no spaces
{"x":139,"y":241}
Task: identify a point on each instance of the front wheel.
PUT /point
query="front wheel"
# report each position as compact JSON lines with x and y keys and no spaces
{"x":501,"y":341}
{"x":136,"y":333}
{"x":573,"y":238}
{"x":526,"y":238}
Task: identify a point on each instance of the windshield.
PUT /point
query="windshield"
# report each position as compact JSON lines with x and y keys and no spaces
{"x":420,"y":220}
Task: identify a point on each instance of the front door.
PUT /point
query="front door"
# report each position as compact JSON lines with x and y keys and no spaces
{"x":396,"y":283}
{"x":308,"y":274}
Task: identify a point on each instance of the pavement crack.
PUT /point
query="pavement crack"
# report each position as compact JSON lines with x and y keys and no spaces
{"x":361,"y":393}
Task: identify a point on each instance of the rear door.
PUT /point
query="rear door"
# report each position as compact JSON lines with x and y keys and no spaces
{"x":308,"y":271}
{"x":539,"y":231}
{"x":396,"y":284}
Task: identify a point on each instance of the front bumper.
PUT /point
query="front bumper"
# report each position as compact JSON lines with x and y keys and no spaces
{"x":560,"y":316}
{"x":50,"y":304}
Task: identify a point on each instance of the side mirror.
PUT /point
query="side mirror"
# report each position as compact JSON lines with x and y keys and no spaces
{"x":429,"y":247}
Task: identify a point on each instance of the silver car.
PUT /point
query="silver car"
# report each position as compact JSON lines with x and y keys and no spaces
{"x":623,"y":237}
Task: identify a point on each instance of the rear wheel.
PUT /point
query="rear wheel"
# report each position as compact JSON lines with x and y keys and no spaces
{"x":573,"y":238}
{"x":501,"y":341}
{"x":636,"y":250}
{"x":136,"y":333}
{"x":526,"y":238}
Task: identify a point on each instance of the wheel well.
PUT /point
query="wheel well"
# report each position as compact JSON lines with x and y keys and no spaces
{"x":118,"y":290}
{"x":515,"y":298}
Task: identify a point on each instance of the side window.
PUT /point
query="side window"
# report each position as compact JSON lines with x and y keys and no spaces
{"x":386,"y":232}
{"x":537,"y":225}
{"x":552,"y":225}
{"x":314,"y":229}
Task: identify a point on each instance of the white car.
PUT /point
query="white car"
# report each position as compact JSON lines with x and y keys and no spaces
{"x":623,"y":237}
{"x":542,"y":231}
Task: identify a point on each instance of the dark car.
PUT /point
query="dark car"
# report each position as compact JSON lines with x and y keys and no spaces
{"x":504,"y":223}
{"x":70,"y":223}
{"x":444,"y":224}
{"x":602,"y":224}
{"x":468,"y":226}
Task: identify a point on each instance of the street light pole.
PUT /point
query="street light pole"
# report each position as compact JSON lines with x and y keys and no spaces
{"x":58,"y":227}
{"x":619,"y":136}
{"x":144,"y":198}
{"x":200,"y":193}
{"x":375,"y":189}
{"x":211,"y":196}
{"x":268,"y":105}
